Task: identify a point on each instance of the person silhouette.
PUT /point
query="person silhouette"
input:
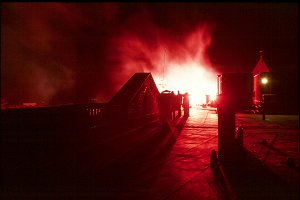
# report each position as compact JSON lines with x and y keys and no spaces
{"x":186,"y":105}
{"x":178,"y":103}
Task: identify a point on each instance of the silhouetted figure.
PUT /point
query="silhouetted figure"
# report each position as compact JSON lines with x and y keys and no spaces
{"x":186,"y":105}
{"x":178,"y":103}
{"x":173,"y":104}
{"x":165,"y":106}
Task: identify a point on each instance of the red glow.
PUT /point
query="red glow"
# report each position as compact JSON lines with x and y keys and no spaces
{"x":181,"y":65}
{"x":190,"y":77}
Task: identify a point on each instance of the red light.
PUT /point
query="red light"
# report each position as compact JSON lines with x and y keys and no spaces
{"x":181,"y":66}
{"x":192,"y":78}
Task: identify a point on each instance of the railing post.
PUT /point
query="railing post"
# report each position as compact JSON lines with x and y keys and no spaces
{"x":226,"y":129}
{"x":240,"y":136}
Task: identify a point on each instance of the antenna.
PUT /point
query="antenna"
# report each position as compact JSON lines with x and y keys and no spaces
{"x":260,"y":53}
{"x":164,"y":65}
{"x":163,"y":80}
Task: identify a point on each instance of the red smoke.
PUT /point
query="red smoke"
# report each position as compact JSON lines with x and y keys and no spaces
{"x":182,"y":65}
{"x":67,"y":53}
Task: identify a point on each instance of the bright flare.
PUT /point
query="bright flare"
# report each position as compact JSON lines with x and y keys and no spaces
{"x":264,"y":80}
{"x":213,"y":97}
{"x":192,"y":78}
{"x":181,"y":66}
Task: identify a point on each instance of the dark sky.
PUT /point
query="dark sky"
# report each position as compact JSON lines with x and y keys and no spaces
{"x":72,"y":52}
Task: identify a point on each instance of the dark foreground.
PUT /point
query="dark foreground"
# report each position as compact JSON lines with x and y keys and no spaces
{"x":153,"y":162}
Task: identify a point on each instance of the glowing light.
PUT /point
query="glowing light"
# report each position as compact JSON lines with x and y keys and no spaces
{"x":264,"y":80}
{"x":192,"y":78}
{"x":181,"y":66}
{"x":213,"y":97}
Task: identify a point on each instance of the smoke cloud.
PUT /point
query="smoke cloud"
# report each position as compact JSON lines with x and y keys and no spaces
{"x":56,"y":53}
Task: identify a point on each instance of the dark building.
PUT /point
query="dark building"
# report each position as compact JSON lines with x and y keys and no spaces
{"x":275,"y":92}
{"x":137,"y":99}
{"x":261,"y":80}
{"x":237,"y":87}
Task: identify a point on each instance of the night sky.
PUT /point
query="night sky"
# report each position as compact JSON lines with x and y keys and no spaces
{"x":58,"y":53}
